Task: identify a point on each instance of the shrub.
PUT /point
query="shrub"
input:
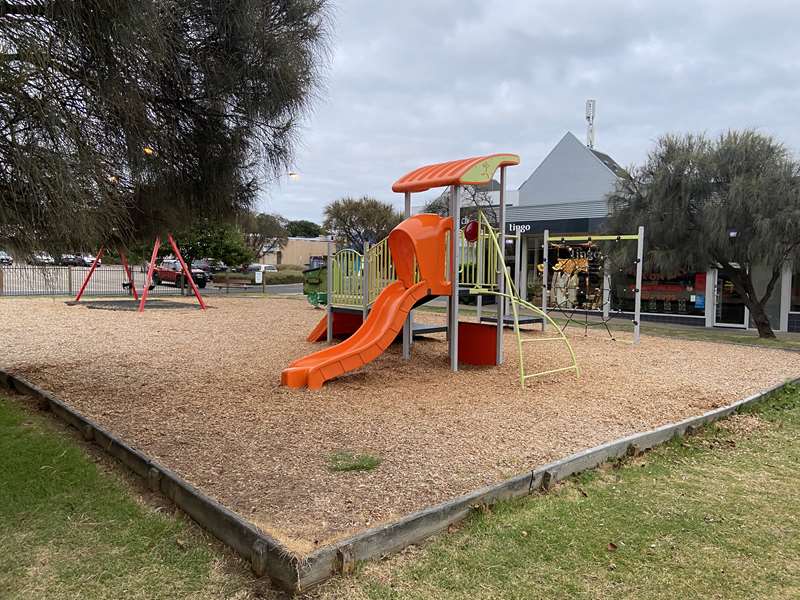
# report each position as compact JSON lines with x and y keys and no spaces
{"x":288,"y":267}
{"x":284,"y":277}
{"x":269,"y":278}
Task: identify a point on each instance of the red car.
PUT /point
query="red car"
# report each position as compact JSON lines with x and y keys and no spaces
{"x":169,"y":271}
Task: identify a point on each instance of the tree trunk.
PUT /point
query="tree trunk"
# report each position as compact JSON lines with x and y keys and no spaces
{"x":761,"y":321}
{"x":743,"y":283}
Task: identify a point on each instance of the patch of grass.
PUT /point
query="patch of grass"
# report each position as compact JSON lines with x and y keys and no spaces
{"x":69,"y":530}
{"x":348,"y":461}
{"x":716,"y":515}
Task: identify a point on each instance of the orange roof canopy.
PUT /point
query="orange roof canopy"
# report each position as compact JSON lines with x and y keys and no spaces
{"x":467,"y":171}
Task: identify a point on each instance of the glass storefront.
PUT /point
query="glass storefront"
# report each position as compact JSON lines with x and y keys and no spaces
{"x":680,"y":295}
{"x":575,"y":280}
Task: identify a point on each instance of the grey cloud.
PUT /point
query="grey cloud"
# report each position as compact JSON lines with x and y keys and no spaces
{"x":423,"y":81}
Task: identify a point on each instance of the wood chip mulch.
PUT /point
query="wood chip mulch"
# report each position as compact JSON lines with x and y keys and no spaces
{"x":199,"y":393}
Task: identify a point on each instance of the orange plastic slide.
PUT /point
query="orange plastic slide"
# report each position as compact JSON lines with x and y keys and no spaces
{"x":420,"y":236}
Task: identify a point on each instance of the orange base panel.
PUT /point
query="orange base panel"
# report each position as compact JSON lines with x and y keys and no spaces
{"x":477,"y":344}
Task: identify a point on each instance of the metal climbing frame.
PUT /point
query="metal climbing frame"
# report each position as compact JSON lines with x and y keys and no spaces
{"x":638,"y":236}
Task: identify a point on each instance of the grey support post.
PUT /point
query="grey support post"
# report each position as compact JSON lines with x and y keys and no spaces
{"x":637,"y":312}
{"x":501,"y":275}
{"x":452,"y":325}
{"x":523,"y":281}
{"x":518,"y":263}
{"x":480,"y":250}
{"x":365,"y":282}
{"x":329,"y":288}
{"x":606,"y":289}
{"x":545,"y":273}
{"x":409,"y":322}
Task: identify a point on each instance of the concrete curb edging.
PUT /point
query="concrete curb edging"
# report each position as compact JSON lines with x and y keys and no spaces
{"x":290,"y":572}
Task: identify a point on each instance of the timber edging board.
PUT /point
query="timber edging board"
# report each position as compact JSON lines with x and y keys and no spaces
{"x":268,"y":557}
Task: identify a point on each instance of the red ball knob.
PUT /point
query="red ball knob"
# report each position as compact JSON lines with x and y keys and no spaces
{"x":471,"y":230}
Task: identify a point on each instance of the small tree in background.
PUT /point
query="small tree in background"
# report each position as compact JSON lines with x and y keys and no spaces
{"x":264,"y":233}
{"x":473,"y":199}
{"x":303,"y":228}
{"x":222,"y":241}
{"x":355,"y":221}
{"x":731,"y":204}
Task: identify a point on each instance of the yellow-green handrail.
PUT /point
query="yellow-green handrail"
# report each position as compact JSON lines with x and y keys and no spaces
{"x":347,"y":276}
{"x":478,"y":268}
{"x":380,"y":269}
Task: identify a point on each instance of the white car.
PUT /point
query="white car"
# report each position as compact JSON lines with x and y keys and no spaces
{"x":256,"y":267}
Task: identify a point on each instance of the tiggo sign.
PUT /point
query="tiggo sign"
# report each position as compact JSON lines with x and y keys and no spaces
{"x":518,"y":228}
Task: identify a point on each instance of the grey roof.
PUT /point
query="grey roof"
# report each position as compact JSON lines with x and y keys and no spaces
{"x":570,"y":173}
{"x":609,"y":162}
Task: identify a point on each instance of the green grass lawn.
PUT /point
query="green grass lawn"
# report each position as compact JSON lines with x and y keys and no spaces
{"x":69,"y":528}
{"x":714,"y":516}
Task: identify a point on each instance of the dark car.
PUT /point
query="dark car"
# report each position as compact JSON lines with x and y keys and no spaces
{"x":70,"y":260}
{"x":169,"y":271}
{"x":210,"y":266}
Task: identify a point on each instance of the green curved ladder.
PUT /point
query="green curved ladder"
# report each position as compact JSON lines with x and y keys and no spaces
{"x":512,"y":295}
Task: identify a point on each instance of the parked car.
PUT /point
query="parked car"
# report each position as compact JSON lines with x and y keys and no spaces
{"x":210,"y":266}
{"x":255,"y":267}
{"x":5,"y":259}
{"x":42,"y":258}
{"x":169,"y":271}
{"x":70,"y":260}
{"x":87,"y":260}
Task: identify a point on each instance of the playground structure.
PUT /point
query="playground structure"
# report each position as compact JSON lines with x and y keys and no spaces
{"x":148,"y":282}
{"x":572,"y":290}
{"x":371,"y":296}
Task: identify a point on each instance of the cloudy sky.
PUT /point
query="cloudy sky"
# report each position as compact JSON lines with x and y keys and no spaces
{"x":421,"y":81}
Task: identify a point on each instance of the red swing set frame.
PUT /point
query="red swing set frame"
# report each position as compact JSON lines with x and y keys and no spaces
{"x":149,"y":278}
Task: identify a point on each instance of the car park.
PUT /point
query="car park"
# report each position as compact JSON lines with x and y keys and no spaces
{"x":256,"y":267}
{"x":42,"y":259}
{"x":70,"y":260}
{"x":210,"y":266}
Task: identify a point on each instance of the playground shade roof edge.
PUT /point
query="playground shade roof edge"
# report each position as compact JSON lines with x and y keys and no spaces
{"x":466,"y":171}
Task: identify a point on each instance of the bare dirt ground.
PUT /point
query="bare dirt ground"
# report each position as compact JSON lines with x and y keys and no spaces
{"x":199,"y":392}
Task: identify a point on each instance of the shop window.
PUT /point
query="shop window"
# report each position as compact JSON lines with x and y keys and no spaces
{"x":680,"y":295}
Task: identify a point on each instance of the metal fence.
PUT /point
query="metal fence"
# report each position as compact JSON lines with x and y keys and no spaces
{"x":28,"y":280}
